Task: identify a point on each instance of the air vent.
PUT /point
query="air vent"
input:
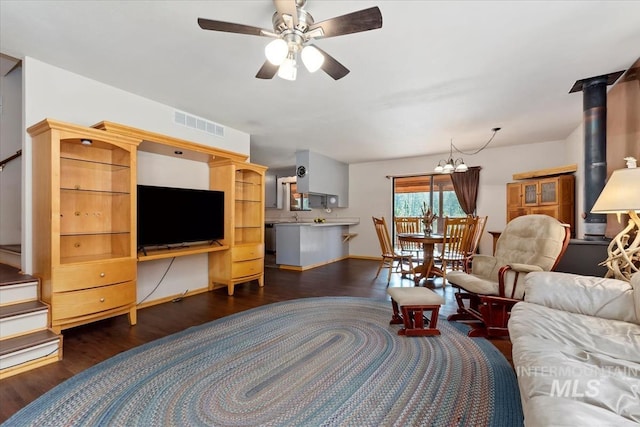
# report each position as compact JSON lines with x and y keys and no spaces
{"x":198,"y":123}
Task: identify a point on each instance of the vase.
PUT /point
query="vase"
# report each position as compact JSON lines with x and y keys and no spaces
{"x":427,"y":228}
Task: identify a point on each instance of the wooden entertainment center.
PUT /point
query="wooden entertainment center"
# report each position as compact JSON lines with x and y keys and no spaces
{"x":84,"y":221}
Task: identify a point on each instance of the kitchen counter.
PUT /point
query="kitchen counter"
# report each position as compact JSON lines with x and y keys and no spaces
{"x":315,"y":224}
{"x":304,"y":245}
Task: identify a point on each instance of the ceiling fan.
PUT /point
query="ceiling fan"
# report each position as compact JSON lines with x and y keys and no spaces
{"x":293,"y":31}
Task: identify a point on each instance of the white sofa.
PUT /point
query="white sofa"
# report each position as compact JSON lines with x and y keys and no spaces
{"x":576,"y":350}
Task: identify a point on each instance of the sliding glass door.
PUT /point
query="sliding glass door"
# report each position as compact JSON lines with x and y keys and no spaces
{"x":409,"y":194}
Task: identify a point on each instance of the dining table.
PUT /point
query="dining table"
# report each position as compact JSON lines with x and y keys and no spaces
{"x":427,"y":268}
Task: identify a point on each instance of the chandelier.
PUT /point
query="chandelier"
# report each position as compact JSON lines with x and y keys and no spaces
{"x":458,"y":165}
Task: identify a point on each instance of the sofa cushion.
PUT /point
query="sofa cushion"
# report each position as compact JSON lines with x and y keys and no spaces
{"x":635,"y":283}
{"x":594,"y":296}
{"x":614,"y":338}
{"x":575,"y":369}
{"x":473,"y":283}
{"x":545,"y":411}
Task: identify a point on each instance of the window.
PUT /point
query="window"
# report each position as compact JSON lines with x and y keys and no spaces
{"x":409,"y":194}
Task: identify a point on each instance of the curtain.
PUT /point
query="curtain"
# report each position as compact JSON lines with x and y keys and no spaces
{"x":466,"y":185}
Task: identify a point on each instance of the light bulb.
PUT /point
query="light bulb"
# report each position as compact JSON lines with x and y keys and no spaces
{"x":276,"y":51}
{"x":438,"y":169}
{"x":312,"y":58}
{"x":448,"y":168}
{"x":462,"y":167}
{"x":288,"y":69}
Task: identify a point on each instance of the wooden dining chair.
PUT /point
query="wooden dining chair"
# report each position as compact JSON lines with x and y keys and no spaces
{"x":474,"y":241}
{"x":409,"y":225}
{"x":457,"y":234}
{"x":390,"y":258}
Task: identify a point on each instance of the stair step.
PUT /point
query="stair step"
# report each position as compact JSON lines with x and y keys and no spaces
{"x":14,"y":249}
{"x":26,"y":341}
{"x":18,"y":293}
{"x":16,"y":287}
{"x":11,"y":276}
{"x":10,"y":258}
{"x":29,"y":351}
{"x":22,"y":308}
{"x":23,"y":318}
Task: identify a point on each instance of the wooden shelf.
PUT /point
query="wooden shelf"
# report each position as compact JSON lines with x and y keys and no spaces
{"x":182,"y":251}
{"x":84,"y":254}
{"x":167,"y":145}
{"x":560,"y":170}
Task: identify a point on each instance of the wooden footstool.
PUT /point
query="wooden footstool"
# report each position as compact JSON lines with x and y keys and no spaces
{"x":414,"y":302}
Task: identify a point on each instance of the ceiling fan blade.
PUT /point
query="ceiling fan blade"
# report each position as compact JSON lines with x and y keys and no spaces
{"x":332,"y":67}
{"x":267,"y":71}
{"x":355,"y":22}
{"x":287,"y":7}
{"x":230,"y":27}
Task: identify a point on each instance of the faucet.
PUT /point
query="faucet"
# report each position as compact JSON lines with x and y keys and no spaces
{"x":295,"y":216}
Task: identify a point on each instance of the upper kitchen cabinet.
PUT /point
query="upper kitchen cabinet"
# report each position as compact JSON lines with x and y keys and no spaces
{"x":271,"y":191}
{"x":318,"y":174}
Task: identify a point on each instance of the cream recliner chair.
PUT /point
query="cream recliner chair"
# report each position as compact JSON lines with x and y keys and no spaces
{"x":486,"y":294}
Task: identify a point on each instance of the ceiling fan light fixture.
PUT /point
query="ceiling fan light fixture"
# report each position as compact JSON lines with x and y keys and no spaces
{"x":276,"y":51}
{"x":288,"y":69}
{"x":312,"y":58}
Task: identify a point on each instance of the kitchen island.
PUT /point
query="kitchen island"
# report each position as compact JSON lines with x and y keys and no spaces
{"x":304,"y":245}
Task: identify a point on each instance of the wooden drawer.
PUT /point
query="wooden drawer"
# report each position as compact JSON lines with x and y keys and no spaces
{"x":246,"y":268}
{"x":247,"y":252}
{"x":83,"y":276}
{"x":79,"y":303}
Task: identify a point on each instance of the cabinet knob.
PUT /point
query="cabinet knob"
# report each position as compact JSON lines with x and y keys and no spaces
{"x":101,"y":299}
{"x":102,"y":274}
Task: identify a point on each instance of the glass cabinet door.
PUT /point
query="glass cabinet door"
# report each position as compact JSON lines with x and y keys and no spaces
{"x":548,"y":192}
{"x":530,"y":194}
{"x":248,"y":207}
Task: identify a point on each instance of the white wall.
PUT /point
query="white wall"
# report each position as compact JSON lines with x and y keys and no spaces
{"x":51,"y":92}
{"x":574,"y":146}
{"x":11,"y":132}
{"x":370,"y":192}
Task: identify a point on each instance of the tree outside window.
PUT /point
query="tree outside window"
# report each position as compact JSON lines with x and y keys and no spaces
{"x":409,"y":194}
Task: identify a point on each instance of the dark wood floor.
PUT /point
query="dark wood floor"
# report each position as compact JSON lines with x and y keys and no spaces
{"x":88,"y":345}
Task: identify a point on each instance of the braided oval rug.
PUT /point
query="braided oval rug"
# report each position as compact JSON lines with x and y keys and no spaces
{"x":329,"y":361}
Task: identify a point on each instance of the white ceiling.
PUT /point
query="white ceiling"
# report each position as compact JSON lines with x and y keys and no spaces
{"x":436,"y":70}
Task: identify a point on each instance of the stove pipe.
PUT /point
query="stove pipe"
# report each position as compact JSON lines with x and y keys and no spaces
{"x":594,"y":101}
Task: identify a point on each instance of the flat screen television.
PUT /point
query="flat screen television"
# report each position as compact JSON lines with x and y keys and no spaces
{"x":173,"y":216}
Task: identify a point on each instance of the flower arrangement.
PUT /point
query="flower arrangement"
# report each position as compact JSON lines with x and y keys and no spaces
{"x":427,"y":218}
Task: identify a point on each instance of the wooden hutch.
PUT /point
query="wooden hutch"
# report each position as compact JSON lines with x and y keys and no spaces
{"x":548,"y":192}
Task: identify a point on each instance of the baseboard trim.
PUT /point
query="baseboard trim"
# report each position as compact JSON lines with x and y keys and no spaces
{"x":171,"y":298}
